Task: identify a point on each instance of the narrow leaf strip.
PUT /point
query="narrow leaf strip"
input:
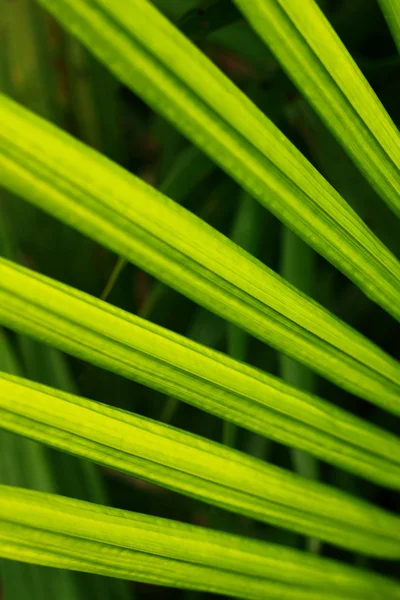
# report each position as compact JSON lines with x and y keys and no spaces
{"x":135,"y":348}
{"x":68,"y":533}
{"x":86,"y":190}
{"x":155,"y":60}
{"x":391,"y":10}
{"x":304,"y":42}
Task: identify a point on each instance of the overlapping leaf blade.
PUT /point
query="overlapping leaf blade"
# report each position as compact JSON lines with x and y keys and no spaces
{"x":135,"y":348}
{"x":307,"y":46}
{"x":194,"y":466}
{"x":56,"y":530}
{"x":152,"y":57}
{"x":53,"y":531}
{"x":91,"y":193}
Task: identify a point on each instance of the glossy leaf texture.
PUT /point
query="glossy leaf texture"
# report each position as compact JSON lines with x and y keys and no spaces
{"x":194,"y":466}
{"x":308,"y":48}
{"x":151,"y":56}
{"x":135,"y":348}
{"x":94,"y":195}
{"x":54,"y":530}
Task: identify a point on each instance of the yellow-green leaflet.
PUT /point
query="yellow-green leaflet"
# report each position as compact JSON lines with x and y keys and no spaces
{"x":51,"y":529}
{"x":152,"y":387}
{"x":135,"y":348}
{"x":308,"y":48}
{"x":391,"y":10}
{"x":89,"y":192}
{"x":150,"y":55}
{"x":194,"y":466}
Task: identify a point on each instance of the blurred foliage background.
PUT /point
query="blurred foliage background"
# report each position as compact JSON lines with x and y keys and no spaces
{"x":48,"y":71}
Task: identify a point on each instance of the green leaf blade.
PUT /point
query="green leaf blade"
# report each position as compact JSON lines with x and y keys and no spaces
{"x":194,"y":466}
{"x":178,"y":81}
{"x":135,"y":348}
{"x":309,"y":49}
{"x":162,"y":551}
{"x":88,"y":192}
{"x":51,"y":170}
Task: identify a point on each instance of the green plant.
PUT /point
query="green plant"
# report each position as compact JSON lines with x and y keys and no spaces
{"x":86,"y":190}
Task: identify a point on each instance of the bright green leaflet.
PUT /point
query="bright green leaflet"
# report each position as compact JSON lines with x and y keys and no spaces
{"x":306,"y":45}
{"x":194,"y":466}
{"x":162,"y":551}
{"x":166,"y":558}
{"x":333,"y":161}
{"x":89,"y":192}
{"x":151,"y":56}
{"x":391,"y":10}
{"x":135,"y":348}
